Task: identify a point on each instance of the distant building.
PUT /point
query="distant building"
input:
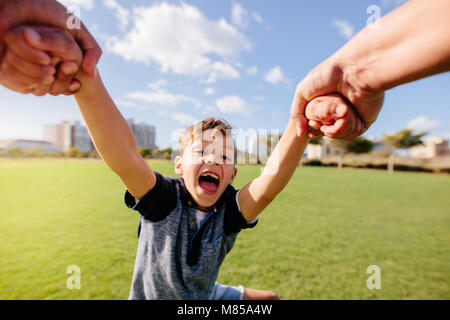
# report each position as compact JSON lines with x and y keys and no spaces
{"x":317,"y":151}
{"x":432,"y":147}
{"x":143,"y":133}
{"x":29,"y":145}
{"x":71,"y":134}
{"x":67,"y":135}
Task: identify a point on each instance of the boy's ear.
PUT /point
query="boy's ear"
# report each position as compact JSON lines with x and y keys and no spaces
{"x":233,"y":175}
{"x":179,"y":165}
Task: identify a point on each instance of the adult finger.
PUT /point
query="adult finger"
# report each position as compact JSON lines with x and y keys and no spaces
{"x":91,"y":49}
{"x":27,"y":67}
{"x":298,"y":111}
{"x":60,"y":43}
{"x":10,"y":72}
{"x":57,"y":42}
{"x":15,"y":41}
{"x":350,"y":127}
{"x":73,"y":88}
{"x":15,"y":87}
{"x":327,"y":108}
{"x":42,"y":89}
{"x":64,"y":76}
{"x":315,"y":125}
{"x":335,"y":130}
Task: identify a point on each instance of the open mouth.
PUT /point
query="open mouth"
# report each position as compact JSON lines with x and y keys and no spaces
{"x":209,"y":182}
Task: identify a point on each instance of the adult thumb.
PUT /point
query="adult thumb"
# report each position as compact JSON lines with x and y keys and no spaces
{"x":298,"y":112}
{"x":91,"y":49}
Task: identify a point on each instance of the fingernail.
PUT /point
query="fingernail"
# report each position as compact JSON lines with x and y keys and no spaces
{"x":74,"y":87}
{"x":70,"y":69}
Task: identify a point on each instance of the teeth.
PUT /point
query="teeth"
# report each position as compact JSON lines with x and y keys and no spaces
{"x":215,"y":176}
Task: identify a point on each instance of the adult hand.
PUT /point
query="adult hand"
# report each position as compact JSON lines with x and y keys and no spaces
{"x":330,"y":78}
{"x":410,"y":43}
{"x":51,"y":13}
{"x":31,"y":56}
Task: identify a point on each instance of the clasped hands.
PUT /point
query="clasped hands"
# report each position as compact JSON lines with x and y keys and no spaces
{"x":45,"y":60}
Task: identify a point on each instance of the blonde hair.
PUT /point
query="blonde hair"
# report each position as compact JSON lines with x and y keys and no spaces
{"x":187,"y":138}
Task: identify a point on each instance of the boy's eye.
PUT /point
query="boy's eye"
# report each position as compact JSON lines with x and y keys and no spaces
{"x":199,"y":152}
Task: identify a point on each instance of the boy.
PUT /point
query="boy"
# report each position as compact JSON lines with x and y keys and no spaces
{"x":189,"y":224}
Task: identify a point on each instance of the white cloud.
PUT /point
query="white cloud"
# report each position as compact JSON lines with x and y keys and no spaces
{"x":275,"y":75}
{"x":125,"y":103}
{"x":209,"y":91}
{"x":182,"y":40}
{"x":256,"y":17}
{"x":252,"y":70}
{"x":233,"y":104}
{"x":85,"y":4}
{"x":156,"y":85}
{"x":182,"y":118}
{"x":220,"y":70}
{"x":423,"y":124}
{"x":122,"y":14}
{"x":209,"y":110}
{"x":239,"y":15}
{"x":344,"y":28}
{"x":161,"y":96}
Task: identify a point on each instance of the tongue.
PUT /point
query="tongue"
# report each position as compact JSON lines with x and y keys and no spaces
{"x":208,"y":186}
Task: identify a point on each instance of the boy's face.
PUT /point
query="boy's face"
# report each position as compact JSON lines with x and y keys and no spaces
{"x":207,"y":167}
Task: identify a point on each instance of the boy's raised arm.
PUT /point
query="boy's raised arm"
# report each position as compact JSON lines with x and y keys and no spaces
{"x":280,"y":167}
{"x":108,"y":129}
{"x":113,"y":137}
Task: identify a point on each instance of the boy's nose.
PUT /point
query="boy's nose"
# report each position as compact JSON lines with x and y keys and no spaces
{"x":210,"y":159}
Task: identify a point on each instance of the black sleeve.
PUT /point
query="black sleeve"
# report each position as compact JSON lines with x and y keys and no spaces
{"x":158,"y":202}
{"x":234,"y":221}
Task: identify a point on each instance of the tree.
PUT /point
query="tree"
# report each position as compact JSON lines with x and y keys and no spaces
{"x":340,"y":147}
{"x":145,"y":152}
{"x":403,"y":139}
{"x":315,"y":141}
{"x":360,"y":145}
{"x":167,"y":153}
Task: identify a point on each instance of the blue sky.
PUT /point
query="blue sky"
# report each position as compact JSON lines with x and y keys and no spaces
{"x":169,"y":63}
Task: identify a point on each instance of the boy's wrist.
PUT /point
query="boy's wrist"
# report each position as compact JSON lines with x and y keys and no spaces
{"x":89,"y":86}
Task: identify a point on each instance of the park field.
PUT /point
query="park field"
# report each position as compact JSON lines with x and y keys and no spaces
{"x":315,"y":241}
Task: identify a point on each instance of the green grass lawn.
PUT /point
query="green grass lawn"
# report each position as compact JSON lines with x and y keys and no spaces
{"x":315,"y":241}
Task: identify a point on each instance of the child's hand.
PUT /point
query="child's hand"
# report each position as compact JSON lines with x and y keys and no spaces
{"x":333,"y":116}
{"x":41,"y":59}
